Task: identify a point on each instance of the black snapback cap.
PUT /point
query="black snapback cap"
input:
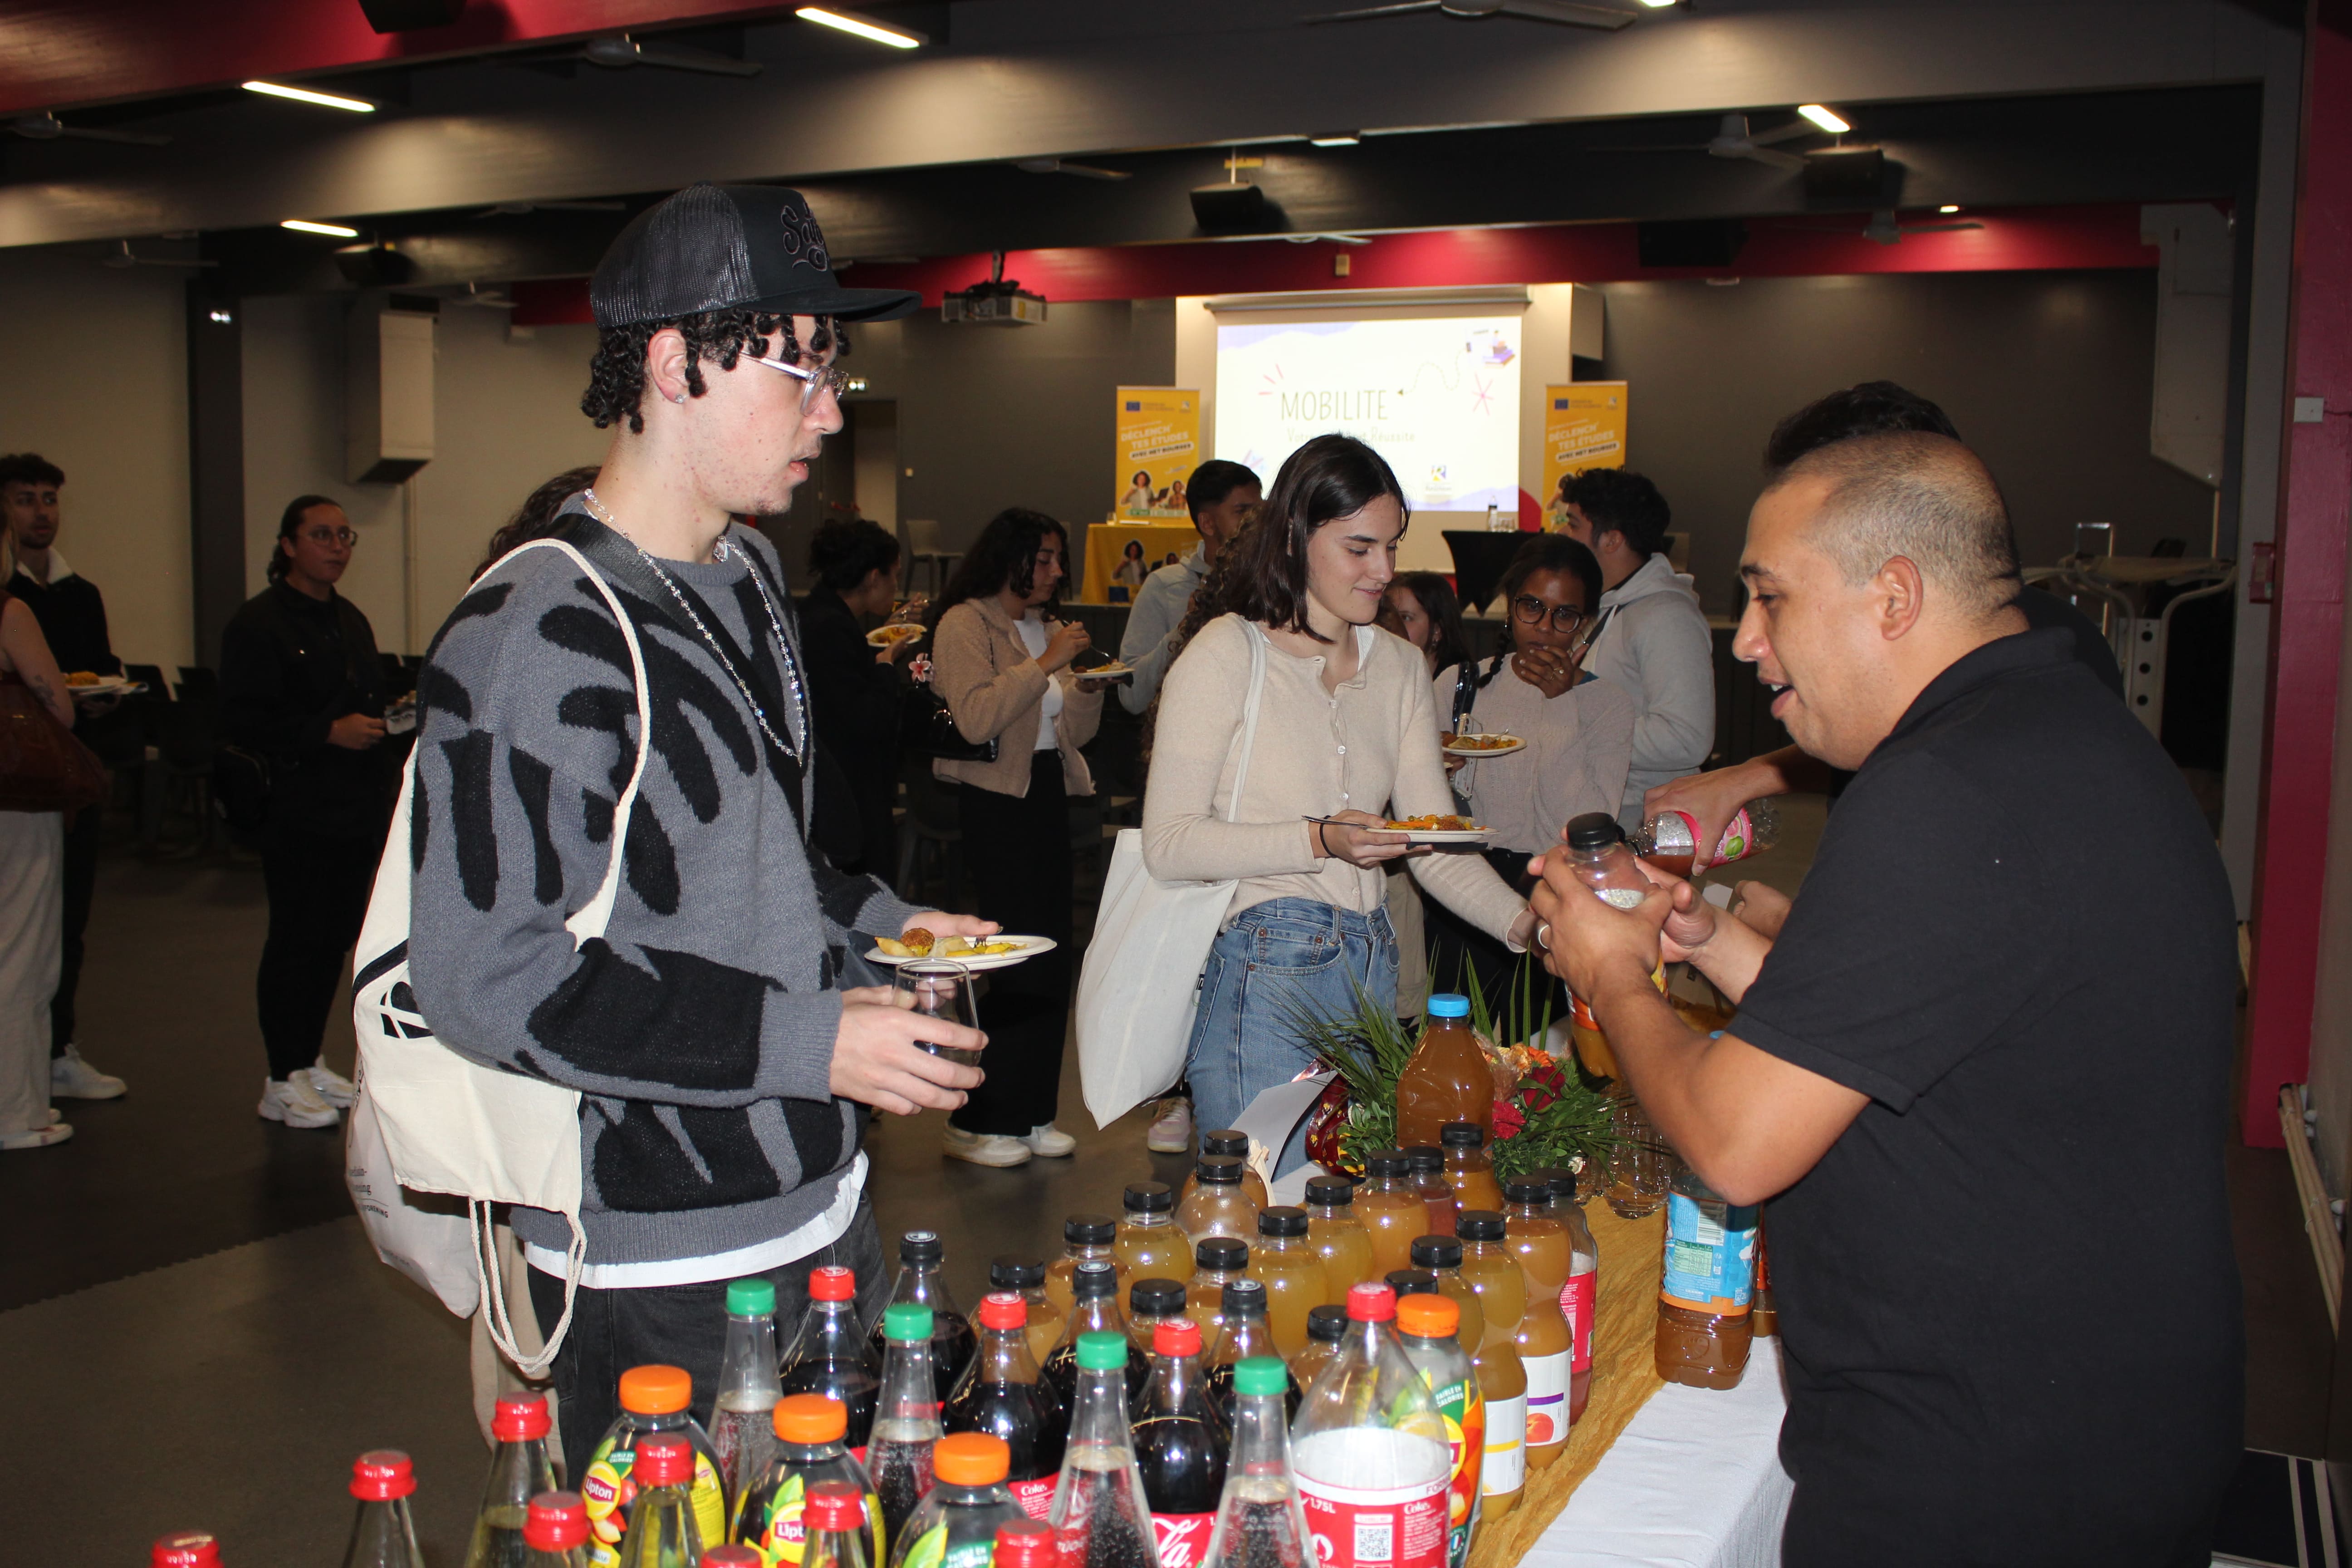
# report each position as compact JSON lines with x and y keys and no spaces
{"x":729,"y":247}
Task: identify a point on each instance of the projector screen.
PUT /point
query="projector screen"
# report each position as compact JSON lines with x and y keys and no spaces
{"x":1438,"y":398}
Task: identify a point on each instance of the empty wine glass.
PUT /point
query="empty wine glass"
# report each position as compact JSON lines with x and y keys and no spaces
{"x":938,"y":989}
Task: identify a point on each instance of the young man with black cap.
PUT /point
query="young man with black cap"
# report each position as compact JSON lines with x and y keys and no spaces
{"x":717,"y":1053}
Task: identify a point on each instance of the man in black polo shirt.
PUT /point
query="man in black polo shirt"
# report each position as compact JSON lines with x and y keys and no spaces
{"x":73,"y":623}
{"x":1982,"y":1074}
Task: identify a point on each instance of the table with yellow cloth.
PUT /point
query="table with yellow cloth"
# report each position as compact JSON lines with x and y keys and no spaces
{"x":1107,"y":546}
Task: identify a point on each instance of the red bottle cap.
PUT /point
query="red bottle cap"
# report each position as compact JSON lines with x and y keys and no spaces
{"x":1024,"y":1543}
{"x":1371,"y":1303}
{"x":557,"y":1521}
{"x":189,"y":1549}
{"x":664,"y":1459}
{"x":833,"y":1505}
{"x":1003,"y":1310}
{"x":381,"y":1475}
{"x":520,"y":1417}
{"x":732,"y":1557}
{"x":1176,"y":1336}
{"x":832,"y":1283}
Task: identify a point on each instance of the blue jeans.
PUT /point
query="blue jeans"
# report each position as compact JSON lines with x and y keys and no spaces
{"x":1277,"y":959}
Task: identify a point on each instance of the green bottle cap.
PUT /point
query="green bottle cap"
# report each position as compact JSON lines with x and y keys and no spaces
{"x":751,"y":1298}
{"x":1260,"y":1375}
{"x":907,"y":1320}
{"x":1101,"y":1351}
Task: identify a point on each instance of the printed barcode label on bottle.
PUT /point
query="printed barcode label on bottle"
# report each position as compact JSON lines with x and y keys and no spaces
{"x":1375,"y":1538}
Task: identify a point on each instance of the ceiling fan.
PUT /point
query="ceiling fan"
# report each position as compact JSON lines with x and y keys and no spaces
{"x":622,"y":52}
{"x":1565,"y":13}
{"x":1064,"y":166}
{"x":123,"y":257}
{"x":1732,"y":139}
{"x":1883,"y":229}
{"x":524,"y":209}
{"x":48,"y":127}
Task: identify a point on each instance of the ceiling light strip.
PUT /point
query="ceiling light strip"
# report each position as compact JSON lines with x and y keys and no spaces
{"x":1826,"y":117}
{"x":304,"y":94}
{"x":304,"y":226}
{"x":865,"y":27}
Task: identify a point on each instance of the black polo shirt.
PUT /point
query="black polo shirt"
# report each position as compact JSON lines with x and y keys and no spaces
{"x":2009,"y":1302}
{"x":73,"y":621}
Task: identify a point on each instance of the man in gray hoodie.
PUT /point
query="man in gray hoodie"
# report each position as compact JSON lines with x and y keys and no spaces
{"x":1653,"y":638}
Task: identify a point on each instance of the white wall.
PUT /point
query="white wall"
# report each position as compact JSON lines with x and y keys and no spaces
{"x":97,"y":381}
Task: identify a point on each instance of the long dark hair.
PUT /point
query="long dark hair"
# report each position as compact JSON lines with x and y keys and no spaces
{"x":1542,"y":553}
{"x":1448,"y":645}
{"x":288,"y":521}
{"x":537,"y":517}
{"x":1003,"y":556}
{"x":1261,"y":576}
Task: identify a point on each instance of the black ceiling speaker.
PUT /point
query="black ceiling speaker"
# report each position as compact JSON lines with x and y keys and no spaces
{"x":1232,"y":209}
{"x":1690,"y":242}
{"x":407,"y":15}
{"x":1855,"y":174}
{"x":374,"y":266}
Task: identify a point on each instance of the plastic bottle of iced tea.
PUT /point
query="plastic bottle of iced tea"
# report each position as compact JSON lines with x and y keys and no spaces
{"x":1669,"y":839}
{"x":1286,"y":1261}
{"x":1149,"y":1244}
{"x":1428,"y":1326}
{"x":1546,"y":1348}
{"x":1150,"y":1303}
{"x":1234,"y":1143}
{"x":1084,"y":1235}
{"x":1489,"y":1264}
{"x":1026,"y":1276}
{"x":1436,"y":1192}
{"x":1705,"y":1286}
{"x":1217,"y":1262}
{"x":1599,"y":856}
{"x":1390,"y":1207}
{"x":1441,"y":1257}
{"x":1219,"y":1202}
{"x":1467,"y":1168}
{"x":1340,"y":1238}
{"x":1325,"y":1327}
{"x":1579,"y":1297}
{"x":1446,"y":1079}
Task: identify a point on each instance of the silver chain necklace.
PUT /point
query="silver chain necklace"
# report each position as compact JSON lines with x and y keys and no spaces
{"x":721,"y":550}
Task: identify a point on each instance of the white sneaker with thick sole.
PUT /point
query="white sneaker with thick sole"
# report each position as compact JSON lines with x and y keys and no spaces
{"x":328,"y":1085}
{"x":984,"y":1148}
{"x":1172,"y":1133}
{"x":1051,"y":1141}
{"x":293,"y":1101}
{"x":70,"y":1078}
{"x":55,"y":1132}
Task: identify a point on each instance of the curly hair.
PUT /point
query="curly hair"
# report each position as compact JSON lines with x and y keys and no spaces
{"x":1540,"y":552}
{"x":616,"y":377}
{"x":538,"y":517}
{"x":1003,"y":556}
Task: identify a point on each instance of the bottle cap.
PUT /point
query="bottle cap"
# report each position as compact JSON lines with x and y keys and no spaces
{"x":1561,"y":1179}
{"x":557,"y":1521}
{"x":1327,"y":1323}
{"x":1094,"y":1278}
{"x":905,"y":1320}
{"x":832,"y":1283}
{"x":751,"y":1298}
{"x":1089,"y":1230}
{"x":1527,"y":1191}
{"x":1387,"y":1163}
{"x":1594,"y":830}
{"x":1225,"y":1140}
{"x":1221,"y":1170}
{"x":664,"y":1459}
{"x":1428,"y":1317}
{"x":809,"y":1419}
{"x":1282,"y":1222}
{"x":1243,"y":1299}
{"x":1223,"y":1253}
{"x":518,"y":1417}
{"x":1261,"y":1374}
{"x":1176,"y":1336}
{"x":1449,"y":1005}
{"x":656,"y":1390}
{"x":1102,"y":1352}
{"x":971,"y":1458}
{"x":920,"y":1246}
{"x":1003,"y":1310}
{"x":1461,"y":1136}
{"x":1371,"y":1303}
{"x":1436,"y":1252}
{"x":732,"y":1557}
{"x":833,"y":1505}
{"x":1411,"y":1282}
{"x":1425,"y":1157}
{"x":1155,"y":1297}
{"x":1478,"y":1225}
{"x":1008,"y":1271}
{"x":1330,"y":1192}
{"x":1025,"y":1543}
{"x":1149,"y":1197}
{"x":381,"y":1475}
{"x":190,"y":1549}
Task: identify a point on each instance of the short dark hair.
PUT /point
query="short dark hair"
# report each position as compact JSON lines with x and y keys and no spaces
{"x":29,"y":469}
{"x":1920,"y":496}
{"x":1212,"y":481}
{"x":540,"y":516}
{"x":616,"y":377}
{"x":1003,"y":556}
{"x":288,"y":521}
{"x":1262,"y":575}
{"x":1867,"y":408}
{"x":1619,"y":501}
{"x":846,"y":551}
{"x":1438,"y":601}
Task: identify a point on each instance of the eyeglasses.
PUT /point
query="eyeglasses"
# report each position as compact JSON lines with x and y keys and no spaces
{"x":1528,"y":610}
{"x":346,"y":537}
{"x":814,"y":382}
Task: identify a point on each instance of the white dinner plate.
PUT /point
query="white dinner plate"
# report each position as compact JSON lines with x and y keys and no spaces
{"x":1031,"y":947}
{"x":892,"y":636}
{"x":108,"y":686}
{"x":1104,"y":672}
{"x":1474,"y":753}
{"x":1444,"y":835}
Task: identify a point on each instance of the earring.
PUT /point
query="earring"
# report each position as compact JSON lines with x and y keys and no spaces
{"x":677,"y":398}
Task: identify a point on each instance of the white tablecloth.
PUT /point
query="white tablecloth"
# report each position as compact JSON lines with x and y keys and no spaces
{"x":1695,"y":1480}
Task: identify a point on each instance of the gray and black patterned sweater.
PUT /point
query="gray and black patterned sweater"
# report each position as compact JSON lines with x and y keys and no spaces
{"x":700,"y":1028}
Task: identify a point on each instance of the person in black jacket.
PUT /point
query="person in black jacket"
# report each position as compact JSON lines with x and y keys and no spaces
{"x":302,"y":685}
{"x":854,"y":692}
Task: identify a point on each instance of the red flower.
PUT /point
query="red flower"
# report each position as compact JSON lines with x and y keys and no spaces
{"x":1540,"y":1086}
{"x":1508,"y":1122}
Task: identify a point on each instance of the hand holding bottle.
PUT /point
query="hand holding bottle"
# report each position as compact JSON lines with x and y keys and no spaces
{"x":1588,"y":943}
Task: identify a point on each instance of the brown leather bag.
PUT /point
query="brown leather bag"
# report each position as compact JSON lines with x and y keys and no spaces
{"x":42,"y":766}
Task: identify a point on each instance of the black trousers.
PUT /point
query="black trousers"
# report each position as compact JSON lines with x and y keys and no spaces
{"x":1462,"y":956}
{"x":80,"y":882}
{"x":677,"y":1325}
{"x":1019,"y":852}
{"x":318,"y":889}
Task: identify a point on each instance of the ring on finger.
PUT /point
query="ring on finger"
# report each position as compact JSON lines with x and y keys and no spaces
{"x":1543,"y":936}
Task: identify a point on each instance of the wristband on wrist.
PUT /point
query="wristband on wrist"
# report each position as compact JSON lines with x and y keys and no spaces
{"x":1322,"y":842}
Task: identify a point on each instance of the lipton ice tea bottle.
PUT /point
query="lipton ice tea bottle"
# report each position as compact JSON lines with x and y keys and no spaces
{"x":1084,"y":1235}
{"x":1148,"y":1245}
{"x":1447,"y":1078}
{"x":1580,"y":1297}
{"x":1546,"y":1347}
{"x":1704,"y":1291}
{"x":1286,"y":1260}
{"x":1436,"y":1192}
{"x":1391,"y":1209}
{"x":1467,"y":1168}
{"x":1491,"y":1269}
{"x":1340,"y":1238}
{"x":1427,"y":1326}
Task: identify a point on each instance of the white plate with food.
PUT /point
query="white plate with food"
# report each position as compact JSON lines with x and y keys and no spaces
{"x":971,"y":951}
{"x":892,"y":635}
{"x":84,"y":683}
{"x":1116,"y":671}
{"x":1475,"y":745}
{"x":1425,"y":829}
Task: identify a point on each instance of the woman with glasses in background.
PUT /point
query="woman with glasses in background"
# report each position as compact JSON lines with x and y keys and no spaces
{"x":1579,"y":732}
{"x":302,"y":688}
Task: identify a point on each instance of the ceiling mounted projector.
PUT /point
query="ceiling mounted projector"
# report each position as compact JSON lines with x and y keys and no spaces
{"x":1232,"y":208}
{"x":998,"y":302}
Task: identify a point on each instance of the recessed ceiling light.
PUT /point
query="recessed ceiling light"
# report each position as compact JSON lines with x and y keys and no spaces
{"x":304,"y":94}
{"x":1823,"y":118}
{"x":1336,"y":138}
{"x":305,"y":225}
{"x":1657,"y":4}
{"x":1949,"y":208}
{"x":866,"y":27}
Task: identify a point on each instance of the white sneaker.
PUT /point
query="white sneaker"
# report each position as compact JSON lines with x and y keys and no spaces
{"x":1172,"y":1133}
{"x":984,"y":1148}
{"x":1051,"y":1141}
{"x":55,"y":1132}
{"x":70,"y":1078}
{"x":293,"y":1101}
{"x":328,"y":1085}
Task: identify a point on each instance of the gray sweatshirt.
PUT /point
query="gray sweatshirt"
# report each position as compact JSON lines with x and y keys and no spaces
{"x":700,"y":1028}
{"x":1657,"y":644}
{"x":1149,"y":642}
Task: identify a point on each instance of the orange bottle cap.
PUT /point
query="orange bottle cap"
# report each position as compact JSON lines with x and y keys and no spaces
{"x":1428,"y":1317}
{"x":970,"y":1459}
{"x":656,"y":1390}
{"x":809,"y":1418}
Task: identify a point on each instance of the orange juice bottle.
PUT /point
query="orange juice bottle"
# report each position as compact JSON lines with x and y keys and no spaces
{"x":1150,"y":1303}
{"x":1446,"y":1079}
{"x":1286,"y":1261}
{"x":1217,"y":1262}
{"x":1546,"y":1348}
{"x":1217,"y":1203}
{"x":1231,"y":1142}
{"x":1326,"y":1327}
{"x":1148,"y":1245}
{"x":1340,"y":1238}
{"x":1491,"y":1269}
{"x":1084,"y":1235}
{"x":1008,"y":1271}
{"x":1441,"y":1258}
{"x":1468,"y":1169}
{"x":1391,"y":1209}
{"x":1429,"y":1177}
{"x":1580,"y":1297}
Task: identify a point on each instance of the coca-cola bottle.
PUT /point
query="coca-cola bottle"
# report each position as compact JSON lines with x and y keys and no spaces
{"x":831,"y":1356}
{"x":1094,"y":1308}
{"x":1179,"y":1445}
{"x":384,"y":1535}
{"x":1260,"y":1523}
{"x":1000,"y":1394}
{"x":185,"y":1549}
{"x":555,"y":1531}
{"x":1025,"y":1543}
{"x":520,"y":1470}
{"x":1100,"y":1514}
{"x":742,"y":1416}
{"x":1371,"y":1452}
{"x":923,"y":1280}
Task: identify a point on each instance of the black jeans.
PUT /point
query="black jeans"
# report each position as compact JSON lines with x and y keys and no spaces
{"x":1019,"y":852}
{"x":319,"y":889}
{"x":80,"y":882}
{"x":677,"y":1325}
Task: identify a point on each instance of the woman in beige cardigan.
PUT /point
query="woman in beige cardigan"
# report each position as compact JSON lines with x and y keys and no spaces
{"x":1000,"y":661}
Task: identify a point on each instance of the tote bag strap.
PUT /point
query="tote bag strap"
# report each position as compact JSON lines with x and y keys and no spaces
{"x":1249,"y":711}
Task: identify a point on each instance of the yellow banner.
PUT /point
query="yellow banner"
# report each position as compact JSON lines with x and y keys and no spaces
{"x":1158,"y":445}
{"x":1585,"y":427}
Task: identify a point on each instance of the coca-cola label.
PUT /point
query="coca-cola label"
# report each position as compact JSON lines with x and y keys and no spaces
{"x":1577,"y":1301}
{"x":1183,"y":1538}
{"x":1395,"y":1526}
{"x":1036,"y":1498}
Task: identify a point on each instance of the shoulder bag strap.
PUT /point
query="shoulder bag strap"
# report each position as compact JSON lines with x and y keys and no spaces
{"x":1249,"y":713}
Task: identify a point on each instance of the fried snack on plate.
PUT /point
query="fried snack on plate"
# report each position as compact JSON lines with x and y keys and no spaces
{"x":912,"y":942}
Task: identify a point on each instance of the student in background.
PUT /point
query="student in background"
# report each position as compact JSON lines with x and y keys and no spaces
{"x":852,"y":688}
{"x":1221,"y":496}
{"x":1419,"y":608}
